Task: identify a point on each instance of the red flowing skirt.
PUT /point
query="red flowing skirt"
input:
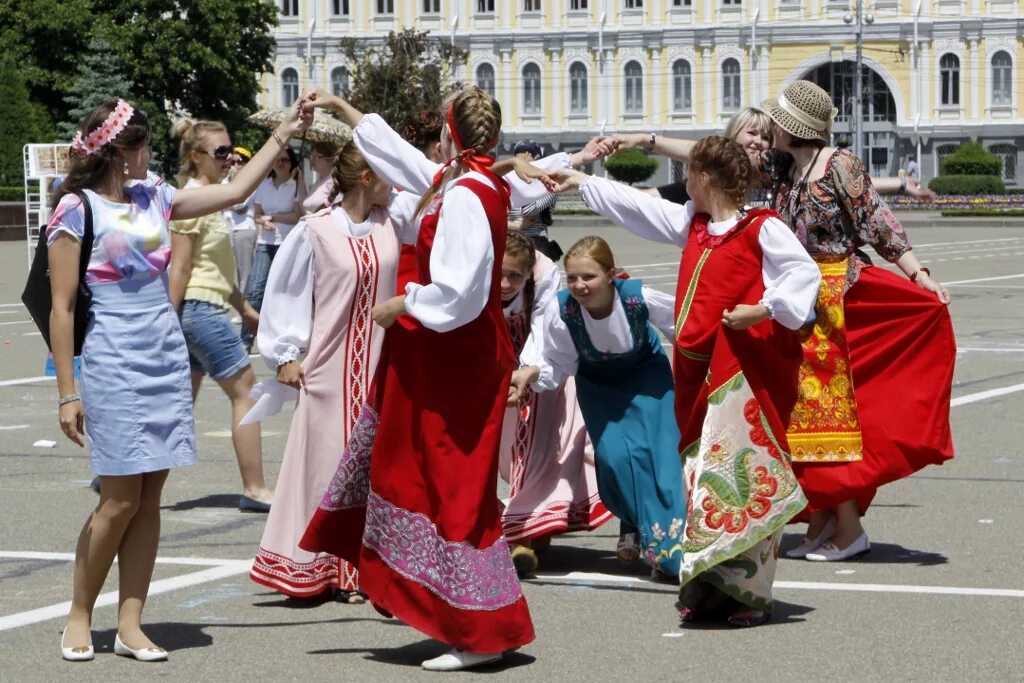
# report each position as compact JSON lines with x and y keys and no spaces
{"x":427,"y":538}
{"x":902,"y":354}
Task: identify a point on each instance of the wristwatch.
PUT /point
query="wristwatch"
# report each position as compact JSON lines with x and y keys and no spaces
{"x":650,"y":143}
{"x":922,"y":269}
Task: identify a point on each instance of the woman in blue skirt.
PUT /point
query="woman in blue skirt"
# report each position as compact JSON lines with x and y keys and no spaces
{"x":136,"y":397}
{"x":601,"y":329}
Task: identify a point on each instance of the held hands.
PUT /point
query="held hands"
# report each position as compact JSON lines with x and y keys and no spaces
{"x":744,"y":316}
{"x":291,"y":374}
{"x":567,"y":179}
{"x":385,"y":314}
{"x":300,"y":118}
{"x":71,"y":417}
{"x":596,"y":148}
{"x":318,"y":98}
{"x":521,"y":381}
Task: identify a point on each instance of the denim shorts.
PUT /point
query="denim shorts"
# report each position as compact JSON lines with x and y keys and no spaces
{"x":214,"y":347}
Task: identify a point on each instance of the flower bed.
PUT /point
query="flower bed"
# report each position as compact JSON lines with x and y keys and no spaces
{"x":956,"y":202}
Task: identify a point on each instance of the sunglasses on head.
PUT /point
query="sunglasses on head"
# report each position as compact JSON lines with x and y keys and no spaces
{"x":221,"y":152}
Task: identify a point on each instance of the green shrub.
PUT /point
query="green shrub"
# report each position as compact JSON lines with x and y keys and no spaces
{"x":631,"y":166}
{"x":971,"y":159}
{"x":12,"y":194}
{"x":967,"y":184}
{"x":983,"y":212}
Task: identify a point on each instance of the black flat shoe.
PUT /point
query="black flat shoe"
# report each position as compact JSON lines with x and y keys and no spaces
{"x":247,"y":504}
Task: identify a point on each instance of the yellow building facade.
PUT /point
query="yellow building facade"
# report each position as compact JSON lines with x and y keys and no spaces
{"x":935,"y":72}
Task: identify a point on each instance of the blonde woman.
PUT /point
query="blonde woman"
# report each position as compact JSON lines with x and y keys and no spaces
{"x":203,"y":290}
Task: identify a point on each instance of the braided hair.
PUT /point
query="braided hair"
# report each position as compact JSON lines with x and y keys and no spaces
{"x":477,"y":120}
{"x":348,"y":169}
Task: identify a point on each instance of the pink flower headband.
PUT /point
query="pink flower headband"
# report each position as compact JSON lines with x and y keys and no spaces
{"x":110,"y":129}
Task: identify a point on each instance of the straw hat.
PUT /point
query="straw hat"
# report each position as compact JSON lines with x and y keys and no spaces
{"x":803,"y":110}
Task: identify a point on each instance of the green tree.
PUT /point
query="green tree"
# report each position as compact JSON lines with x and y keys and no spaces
{"x":100,"y":77}
{"x":47,"y":38}
{"x":409,"y":72}
{"x":23,"y":122}
{"x":202,"y":57}
{"x":631,"y":166}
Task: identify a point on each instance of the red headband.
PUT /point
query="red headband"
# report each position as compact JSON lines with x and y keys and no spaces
{"x":480,"y":163}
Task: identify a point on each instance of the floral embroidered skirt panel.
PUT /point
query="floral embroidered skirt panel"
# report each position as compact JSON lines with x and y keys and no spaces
{"x":899,"y":359}
{"x":413,"y":501}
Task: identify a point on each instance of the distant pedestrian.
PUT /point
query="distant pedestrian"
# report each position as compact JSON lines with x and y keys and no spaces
{"x":533,"y":220}
{"x":913,"y":169}
{"x":242,"y":217}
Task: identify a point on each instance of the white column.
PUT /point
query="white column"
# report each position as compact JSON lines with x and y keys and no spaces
{"x":557,"y":96}
{"x":709,"y":73}
{"x":975,"y":111}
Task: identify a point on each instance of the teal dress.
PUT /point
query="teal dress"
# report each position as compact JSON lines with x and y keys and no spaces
{"x":627,"y":400}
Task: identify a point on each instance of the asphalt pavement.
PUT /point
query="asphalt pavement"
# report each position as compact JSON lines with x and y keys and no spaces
{"x":939,"y":597}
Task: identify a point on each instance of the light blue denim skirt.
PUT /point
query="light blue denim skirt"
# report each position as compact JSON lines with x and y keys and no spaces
{"x":135,"y":381}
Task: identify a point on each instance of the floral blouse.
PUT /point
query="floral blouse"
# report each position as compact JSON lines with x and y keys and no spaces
{"x":817,"y":209}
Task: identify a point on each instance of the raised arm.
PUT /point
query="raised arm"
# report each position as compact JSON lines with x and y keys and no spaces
{"x":200,"y":201}
{"x":645,"y":216}
{"x":673,"y":148}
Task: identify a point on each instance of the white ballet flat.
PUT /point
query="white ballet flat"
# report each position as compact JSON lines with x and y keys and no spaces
{"x":75,"y":654}
{"x":143,"y":654}
{"x":457,"y":660}
{"x":811,"y":544}
{"x":830,"y":552}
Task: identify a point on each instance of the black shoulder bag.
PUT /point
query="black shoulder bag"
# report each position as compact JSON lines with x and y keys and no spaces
{"x":38,"y":298}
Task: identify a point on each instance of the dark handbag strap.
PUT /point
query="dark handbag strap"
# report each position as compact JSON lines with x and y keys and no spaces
{"x":87,"y":237}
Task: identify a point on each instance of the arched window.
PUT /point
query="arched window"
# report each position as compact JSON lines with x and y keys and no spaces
{"x":339,"y":81}
{"x":289,"y":86}
{"x":731,"y":97}
{"x":1008,"y":155}
{"x":634,"y":77}
{"x":531,"y":89}
{"x":485,"y":78}
{"x":577,"y":88}
{"x":682,"y":86}
{"x":1002,"y":83}
{"x":949,"y":74}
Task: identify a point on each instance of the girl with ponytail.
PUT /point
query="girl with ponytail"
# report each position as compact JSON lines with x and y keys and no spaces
{"x":416,"y":487}
{"x":546,"y":457}
{"x":333,"y":267}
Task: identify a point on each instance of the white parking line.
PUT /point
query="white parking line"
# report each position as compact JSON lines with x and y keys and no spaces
{"x":17,"y":322}
{"x":984,"y":279}
{"x":24,"y":380}
{"x":584,"y":578}
{"x":220,"y":569}
{"x":983,"y":395}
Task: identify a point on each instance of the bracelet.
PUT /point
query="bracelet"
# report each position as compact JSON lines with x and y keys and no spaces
{"x":903,"y":183}
{"x":70,"y":398}
{"x":279,"y":141}
{"x":650,"y":145}
{"x":922,"y":269}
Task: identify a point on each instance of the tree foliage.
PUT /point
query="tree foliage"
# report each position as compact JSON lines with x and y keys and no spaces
{"x":100,"y":78}
{"x":21,"y":122}
{"x":409,"y":72}
{"x":203,"y":57}
{"x":631,"y":166}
